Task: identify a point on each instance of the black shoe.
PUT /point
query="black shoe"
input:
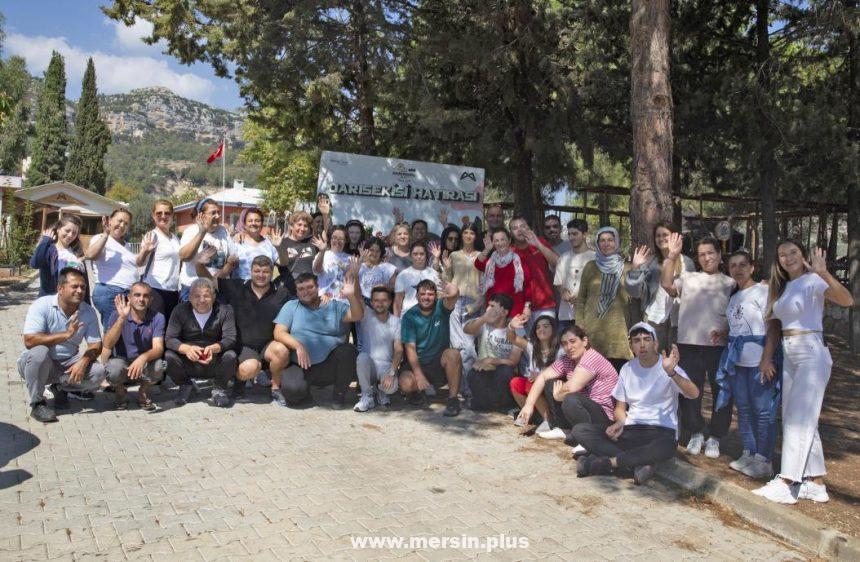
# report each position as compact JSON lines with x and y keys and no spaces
{"x":583,"y":464}
{"x":82,"y":395}
{"x":599,"y":466}
{"x":452,"y":408}
{"x":220,"y":398}
{"x":184,"y":395}
{"x":338,"y":402}
{"x":306,"y":402}
{"x":61,"y":397}
{"x":238,"y":390}
{"x":417,"y":398}
{"x":41,"y":412}
{"x":643,"y":473}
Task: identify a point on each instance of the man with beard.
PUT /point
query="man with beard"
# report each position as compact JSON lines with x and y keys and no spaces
{"x":379,"y":363}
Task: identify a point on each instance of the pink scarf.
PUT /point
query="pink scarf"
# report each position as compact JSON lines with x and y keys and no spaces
{"x":495,"y":261}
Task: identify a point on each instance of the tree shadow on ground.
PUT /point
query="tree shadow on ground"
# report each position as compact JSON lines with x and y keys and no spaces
{"x":14,"y":442}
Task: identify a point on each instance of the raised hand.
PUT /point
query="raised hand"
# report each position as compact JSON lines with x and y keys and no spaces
{"x":73,"y":326}
{"x":324,"y":204}
{"x":49,"y":232}
{"x":671,"y":360}
{"x":446,"y":261}
{"x":106,"y":225}
{"x":435,"y":249}
{"x":205,"y":221}
{"x":443,"y":216}
{"x":354,"y":267}
{"x":466,"y":220}
{"x":363,"y":255}
{"x":398,"y":215}
{"x":276,"y":236}
{"x":123,"y":306}
{"x":205,"y":256}
{"x":232,"y":260}
{"x":449,"y":290}
{"x":239,"y":237}
{"x":817,"y":262}
{"x":492,"y":315}
{"x":319,"y":242}
{"x":531,"y":237}
{"x":488,"y":242}
{"x":558,"y":390}
{"x":676,"y":244}
{"x":149,"y":242}
{"x":641,"y":256}
{"x":518,"y":322}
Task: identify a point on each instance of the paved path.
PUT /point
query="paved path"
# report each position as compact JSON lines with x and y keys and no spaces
{"x":197,"y":483}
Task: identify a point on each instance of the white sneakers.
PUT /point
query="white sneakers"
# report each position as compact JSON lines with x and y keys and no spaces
{"x":712,"y":448}
{"x":778,"y":491}
{"x":554,"y":433}
{"x":758,"y":468}
{"x":809,"y":490}
{"x":694,"y":446}
{"x":365,"y":403}
{"x":741,"y":462}
{"x":543,"y":427}
{"x":383,"y":399}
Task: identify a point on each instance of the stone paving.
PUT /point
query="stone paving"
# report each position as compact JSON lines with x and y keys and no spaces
{"x":261,"y":482}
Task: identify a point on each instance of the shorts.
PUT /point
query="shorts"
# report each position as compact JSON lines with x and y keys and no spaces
{"x":250,"y":352}
{"x":521,"y":385}
{"x":434,"y":372}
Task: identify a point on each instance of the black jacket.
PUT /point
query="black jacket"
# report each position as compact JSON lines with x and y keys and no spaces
{"x":183,"y":328}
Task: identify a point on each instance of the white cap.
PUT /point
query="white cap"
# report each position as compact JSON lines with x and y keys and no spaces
{"x":643,"y":326}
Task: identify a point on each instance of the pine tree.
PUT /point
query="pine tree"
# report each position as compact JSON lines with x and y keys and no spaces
{"x":86,"y":166}
{"x":14,"y":81}
{"x":52,"y":134}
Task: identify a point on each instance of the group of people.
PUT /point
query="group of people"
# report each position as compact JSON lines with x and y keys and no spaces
{"x":544,"y":328}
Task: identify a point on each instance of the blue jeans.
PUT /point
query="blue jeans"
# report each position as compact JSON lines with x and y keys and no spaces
{"x":757,"y":403}
{"x":103,"y":301}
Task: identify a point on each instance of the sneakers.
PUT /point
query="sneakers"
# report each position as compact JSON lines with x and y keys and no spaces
{"x":263,"y":379}
{"x":184,"y":395}
{"x":220,"y":398}
{"x":778,"y":491}
{"x":338,"y":401}
{"x":643,"y":473}
{"x":365,"y":403}
{"x":809,"y":490}
{"x":712,"y":448}
{"x":383,"y":399}
{"x":238,"y":390}
{"x":514,"y":412}
{"x":41,"y":412}
{"x":61,"y":397}
{"x":452,"y":408}
{"x":592,"y":465}
{"x":278,"y":398}
{"x":554,"y":433}
{"x":519,"y":422}
{"x":694,"y":446}
{"x":578,"y":451}
{"x":741,"y":462}
{"x":544,"y":426}
{"x":758,"y":468}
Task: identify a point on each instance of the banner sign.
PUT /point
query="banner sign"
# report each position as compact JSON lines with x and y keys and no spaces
{"x":373,"y":189}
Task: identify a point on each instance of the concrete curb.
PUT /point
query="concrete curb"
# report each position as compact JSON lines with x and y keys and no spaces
{"x":794,"y":528}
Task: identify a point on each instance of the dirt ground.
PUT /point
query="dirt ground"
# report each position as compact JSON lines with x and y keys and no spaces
{"x":840,"y":432}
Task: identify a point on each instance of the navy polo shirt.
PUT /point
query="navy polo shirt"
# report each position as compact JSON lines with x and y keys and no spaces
{"x":136,"y":338}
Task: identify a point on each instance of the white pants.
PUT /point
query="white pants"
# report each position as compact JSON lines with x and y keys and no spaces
{"x":371,"y":372}
{"x":806,"y":372}
{"x":462,"y":341}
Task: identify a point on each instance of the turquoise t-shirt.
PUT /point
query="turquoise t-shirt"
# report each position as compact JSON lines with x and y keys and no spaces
{"x":430,"y":334}
{"x":319,"y":330}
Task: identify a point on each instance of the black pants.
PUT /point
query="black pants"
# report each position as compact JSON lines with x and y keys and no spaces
{"x":699,"y":362}
{"x":164,"y":302}
{"x":638,"y":444}
{"x":337,"y":369}
{"x":222,"y":369}
{"x":491,"y":390}
{"x":577,"y":408}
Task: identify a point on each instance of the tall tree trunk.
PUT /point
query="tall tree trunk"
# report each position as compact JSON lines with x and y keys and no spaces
{"x":852,"y":25}
{"x":363,"y":86}
{"x":651,"y":116}
{"x":834,"y":237}
{"x":767,"y":146}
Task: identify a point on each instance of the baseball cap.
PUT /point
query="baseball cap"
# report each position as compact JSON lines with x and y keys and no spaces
{"x":643,"y":326}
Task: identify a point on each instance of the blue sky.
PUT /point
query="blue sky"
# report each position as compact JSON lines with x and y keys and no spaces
{"x":79,"y":30}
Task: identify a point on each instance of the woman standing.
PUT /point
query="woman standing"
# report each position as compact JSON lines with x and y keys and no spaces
{"x":601,"y":307}
{"x":643,"y":282}
{"x":704,"y":297}
{"x":296,"y":252}
{"x":798,"y":290}
{"x":115,"y":264}
{"x":756,"y":397}
{"x":400,"y":241}
{"x":331,"y":262}
{"x":355,"y":236}
{"x":59,"y":247}
{"x":374,"y":271}
{"x":159,"y":256}
{"x":451,"y":241}
{"x":504,"y":272}
{"x":542,"y":349}
{"x":251,"y":243}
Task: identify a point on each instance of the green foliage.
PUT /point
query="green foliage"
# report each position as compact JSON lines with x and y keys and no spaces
{"x":15,"y":128}
{"x":186,"y":197}
{"x":86,"y":166}
{"x":140,"y":206}
{"x":18,"y":232}
{"x":52,"y":135}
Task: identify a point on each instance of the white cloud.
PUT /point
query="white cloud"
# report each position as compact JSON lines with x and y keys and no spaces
{"x":130,"y":38}
{"x":114,"y":73}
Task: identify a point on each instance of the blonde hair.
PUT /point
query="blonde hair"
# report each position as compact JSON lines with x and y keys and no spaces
{"x":300,"y":216}
{"x":779,"y":276}
{"x":162,"y":202}
{"x":393,"y":233}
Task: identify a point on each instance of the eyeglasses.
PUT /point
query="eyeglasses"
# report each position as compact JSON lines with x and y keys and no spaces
{"x":453,"y":238}
{"x":163,"y":213}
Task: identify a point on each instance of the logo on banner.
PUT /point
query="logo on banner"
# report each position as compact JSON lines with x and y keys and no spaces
{"x":401,"y":171}
{"x":470,"y":175}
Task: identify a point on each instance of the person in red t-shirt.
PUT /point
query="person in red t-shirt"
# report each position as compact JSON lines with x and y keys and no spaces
{"x":504,"y":273}
{"x":537,"y":256}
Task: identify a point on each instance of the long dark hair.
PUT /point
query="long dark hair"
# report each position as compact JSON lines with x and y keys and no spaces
{"x":444,"y":240}
{"x":356,"y":249}
{"x":75,"y":248}
{"x":554,"y":342}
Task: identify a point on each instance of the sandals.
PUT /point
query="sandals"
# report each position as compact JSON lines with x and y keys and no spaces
{"x":147,"y":405}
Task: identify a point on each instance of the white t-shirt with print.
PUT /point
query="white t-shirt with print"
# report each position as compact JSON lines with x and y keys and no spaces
{"x":370,"y":277}
{"x":334,"y":265}
{"x":223,"y":244}
{"x":247,"y":251}
{"x":745,"y":315}
{"x":494,"y":343}
{"x":406,"y":281}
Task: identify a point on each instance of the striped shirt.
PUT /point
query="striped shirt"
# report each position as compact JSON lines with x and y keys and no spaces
{"x":599,"y":388}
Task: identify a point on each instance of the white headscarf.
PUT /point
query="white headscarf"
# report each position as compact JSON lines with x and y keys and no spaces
{"x":495,"y":261}
{"x":611,"y":266}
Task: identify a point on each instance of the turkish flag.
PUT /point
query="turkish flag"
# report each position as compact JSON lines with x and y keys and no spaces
{"x":217,"y":154}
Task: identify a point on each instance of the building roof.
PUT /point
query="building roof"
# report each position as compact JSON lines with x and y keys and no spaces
{"x":235,"y":196}
{"x":15,"y":182}
{"x":65,"y":195}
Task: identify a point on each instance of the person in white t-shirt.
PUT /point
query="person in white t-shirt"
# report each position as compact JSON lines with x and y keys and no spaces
{"x":568,"y":271}
{"x":374,"y":271}
{"x":378,"y":365}
{"x":755,"y":396}
{"x":645,"y":430}
{"x":704,"y":296}
{"x":207,"y":232}
{"x":404,"y":286}
{"x":114,"y":263}
{"x":799,"y":286}
{"x":251,"y":243}
{"x":159,"y":258}
{"x":331,"y":262}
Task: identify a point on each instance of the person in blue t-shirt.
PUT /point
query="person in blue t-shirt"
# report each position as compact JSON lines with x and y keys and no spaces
{"x":315,"y":333}
{"x":136,"y":336}
{"x":425,"y":333}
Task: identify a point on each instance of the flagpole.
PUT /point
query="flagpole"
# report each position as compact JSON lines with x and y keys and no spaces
{"x":224,"y":176}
